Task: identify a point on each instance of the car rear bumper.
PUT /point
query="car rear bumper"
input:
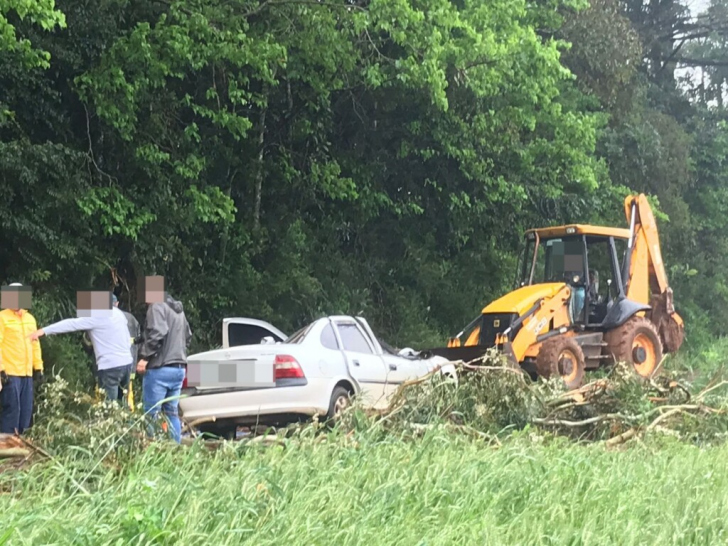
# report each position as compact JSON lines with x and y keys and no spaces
{"x":252,"y":405}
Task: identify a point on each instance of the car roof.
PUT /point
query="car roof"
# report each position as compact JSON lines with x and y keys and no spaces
{"x":341,"y":318}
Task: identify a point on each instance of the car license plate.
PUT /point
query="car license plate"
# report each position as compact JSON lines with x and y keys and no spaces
{"x":230,"y":373}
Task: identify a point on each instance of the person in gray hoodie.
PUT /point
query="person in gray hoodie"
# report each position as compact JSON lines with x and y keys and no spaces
{"x":163,"y":360}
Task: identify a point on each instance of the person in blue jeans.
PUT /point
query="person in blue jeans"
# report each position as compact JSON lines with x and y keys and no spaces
{"x":163,"y":358}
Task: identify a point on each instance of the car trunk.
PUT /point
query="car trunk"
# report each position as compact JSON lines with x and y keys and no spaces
{"x":243,"y":368}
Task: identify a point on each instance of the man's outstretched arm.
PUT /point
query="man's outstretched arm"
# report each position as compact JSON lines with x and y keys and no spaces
{"x":66,"y":326}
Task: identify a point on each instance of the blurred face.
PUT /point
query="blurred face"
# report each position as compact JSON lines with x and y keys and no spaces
{"x":153,"y":289}
{"x":92,"y":303}
{"x":15,"y":297}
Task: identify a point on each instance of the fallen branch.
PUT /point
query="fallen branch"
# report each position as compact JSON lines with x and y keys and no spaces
{"x":590,"y":421}
{"x":582,"y":395}
{"x":684,"y":407}
{"x":705,"y":391}
{"x":631,"y":433}
{"x":663,"y":416}
{"x":397,"y":400}
{"x":13,"y":452}
{"x":192,"y":424}
{"x":475,"y":368}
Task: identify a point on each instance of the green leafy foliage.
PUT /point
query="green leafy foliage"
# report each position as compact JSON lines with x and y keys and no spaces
{"x":259,"y":155}
{"x":36,"y":12}
{"x":286,"y":160}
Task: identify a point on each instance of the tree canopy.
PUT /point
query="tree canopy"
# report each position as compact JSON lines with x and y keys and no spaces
{"x":285,"y":159}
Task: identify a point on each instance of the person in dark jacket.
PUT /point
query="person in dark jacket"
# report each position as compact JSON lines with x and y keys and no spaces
{"x":163,"y":359}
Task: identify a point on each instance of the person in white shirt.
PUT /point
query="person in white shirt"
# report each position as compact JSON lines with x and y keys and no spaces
{"x":107,"y":327}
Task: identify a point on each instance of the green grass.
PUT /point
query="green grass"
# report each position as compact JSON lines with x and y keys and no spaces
{"x":440,"y":490}
{"x":374,"y":488}
{"x":702,"y":361}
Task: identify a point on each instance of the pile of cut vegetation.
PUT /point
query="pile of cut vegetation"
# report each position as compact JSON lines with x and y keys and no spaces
{"x":75,"y":432}
{"x":492,"y":398}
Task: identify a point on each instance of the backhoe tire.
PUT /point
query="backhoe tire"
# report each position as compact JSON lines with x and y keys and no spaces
{"x":636,"y":342}
{"x":562,"y":356}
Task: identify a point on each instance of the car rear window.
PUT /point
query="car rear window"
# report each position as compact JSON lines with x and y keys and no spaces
{"x":328,"y":338}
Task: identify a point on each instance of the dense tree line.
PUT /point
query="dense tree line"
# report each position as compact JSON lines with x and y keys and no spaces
{"x":285,"y":159}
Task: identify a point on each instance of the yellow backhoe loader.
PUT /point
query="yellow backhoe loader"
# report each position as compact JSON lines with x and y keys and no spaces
{"x":563,"y":319}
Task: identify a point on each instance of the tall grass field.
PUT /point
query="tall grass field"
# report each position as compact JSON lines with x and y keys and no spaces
{"x":367,"y":486}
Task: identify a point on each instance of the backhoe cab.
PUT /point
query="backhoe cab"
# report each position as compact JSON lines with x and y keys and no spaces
{"x":577,"y":306}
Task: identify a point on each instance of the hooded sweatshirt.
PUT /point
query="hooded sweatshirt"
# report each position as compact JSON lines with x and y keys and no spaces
{"x":167,"y":334}
{"x":108,"y":332}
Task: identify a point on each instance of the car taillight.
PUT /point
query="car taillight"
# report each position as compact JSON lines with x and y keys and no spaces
{"x":286,"y":367}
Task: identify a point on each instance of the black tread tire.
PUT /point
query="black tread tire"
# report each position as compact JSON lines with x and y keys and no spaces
{"x":336,"y":394}
{"x":620,"y":341}
{"x":547,"y":361}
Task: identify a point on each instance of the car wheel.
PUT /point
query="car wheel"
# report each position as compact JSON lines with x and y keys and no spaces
{"x":340,"y":399}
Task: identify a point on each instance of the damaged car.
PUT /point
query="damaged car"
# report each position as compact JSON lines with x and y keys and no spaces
{"x":260,"y":376}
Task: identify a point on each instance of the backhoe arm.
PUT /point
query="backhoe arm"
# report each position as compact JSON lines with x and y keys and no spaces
{"x":646,"y":268}
{"x":644,"y":274}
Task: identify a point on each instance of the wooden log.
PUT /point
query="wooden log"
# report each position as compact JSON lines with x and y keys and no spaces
{"x":622,"y":438}
{"x":13,"y":452}
{"x":10,"y":441}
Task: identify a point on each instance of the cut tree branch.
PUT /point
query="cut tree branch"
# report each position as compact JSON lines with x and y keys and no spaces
{"x":700,"y":62}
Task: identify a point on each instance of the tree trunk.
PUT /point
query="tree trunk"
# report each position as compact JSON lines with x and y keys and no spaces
{"x":259,"y":172}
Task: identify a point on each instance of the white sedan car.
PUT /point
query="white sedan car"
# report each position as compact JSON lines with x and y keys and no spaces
{"x":261,"y":377}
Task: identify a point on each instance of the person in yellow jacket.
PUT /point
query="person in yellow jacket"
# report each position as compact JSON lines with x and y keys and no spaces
{"x":20,"y":362}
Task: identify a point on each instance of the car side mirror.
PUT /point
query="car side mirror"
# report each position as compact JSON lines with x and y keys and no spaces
{"x":268,"y":340}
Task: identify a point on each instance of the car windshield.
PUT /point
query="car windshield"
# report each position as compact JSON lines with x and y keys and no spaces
{"x":386,"y":347}
{"x":299,"y":336}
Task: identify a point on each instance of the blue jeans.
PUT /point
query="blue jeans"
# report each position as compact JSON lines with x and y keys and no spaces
{"x":578,"y":295}
{"x":161,"y":383}
{"x":115,"y":382}
{"x":17,"y":402}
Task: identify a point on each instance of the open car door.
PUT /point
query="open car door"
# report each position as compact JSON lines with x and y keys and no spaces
{"x":246,"y":331}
